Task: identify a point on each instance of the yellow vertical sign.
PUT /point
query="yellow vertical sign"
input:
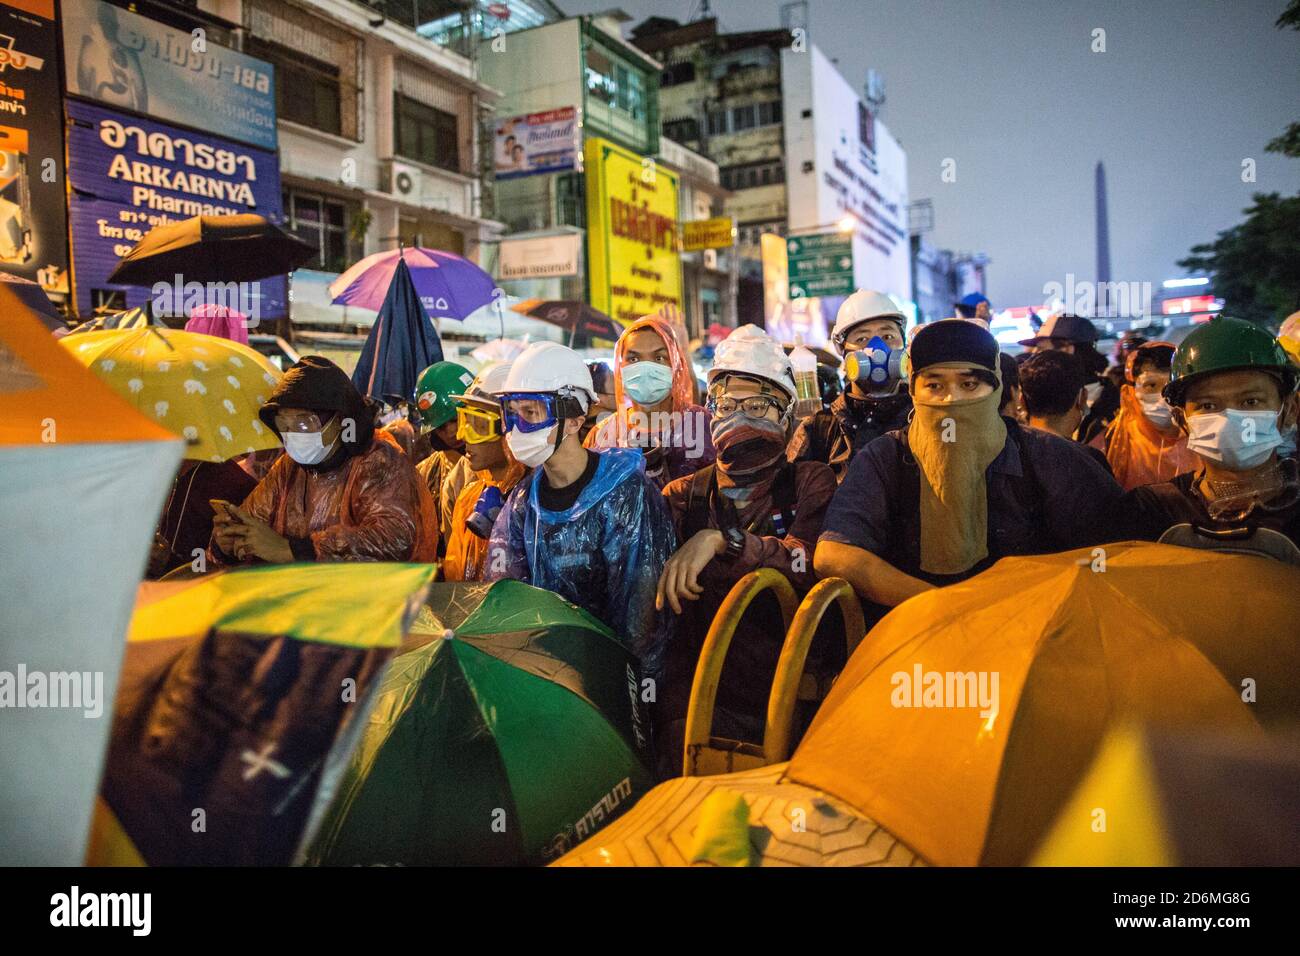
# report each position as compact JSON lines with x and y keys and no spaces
{"x":631,"y":232}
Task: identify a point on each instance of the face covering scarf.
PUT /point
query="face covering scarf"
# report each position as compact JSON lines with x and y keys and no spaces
{"x":954,"y":497}
{"x":749,"y":452}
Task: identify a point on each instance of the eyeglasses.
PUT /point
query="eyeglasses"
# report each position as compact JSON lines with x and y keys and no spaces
{"x":310,"y":422}
{"x":477,"y":426}
{"x":755,"y":406}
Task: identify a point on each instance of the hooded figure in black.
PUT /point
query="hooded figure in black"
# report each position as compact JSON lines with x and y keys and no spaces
{"x":341,"y":491}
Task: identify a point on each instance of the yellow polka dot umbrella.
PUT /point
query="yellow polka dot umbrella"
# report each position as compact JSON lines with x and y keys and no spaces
{"x":203,"y":388}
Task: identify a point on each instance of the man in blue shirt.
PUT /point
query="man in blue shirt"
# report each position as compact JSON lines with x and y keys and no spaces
{"x":960,"y":487}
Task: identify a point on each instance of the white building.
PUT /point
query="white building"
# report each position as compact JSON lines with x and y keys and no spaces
{"x":379,"y":132}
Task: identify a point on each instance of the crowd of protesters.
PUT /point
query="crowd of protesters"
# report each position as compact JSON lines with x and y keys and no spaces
{"x":617,"y":489}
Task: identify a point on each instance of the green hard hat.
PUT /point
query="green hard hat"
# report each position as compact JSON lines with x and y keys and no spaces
{"x":1224,"y":344}
{"x":434,"y":390}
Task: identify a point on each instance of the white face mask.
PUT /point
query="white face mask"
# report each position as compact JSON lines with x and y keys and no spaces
{"x":532,"y":448}
{"x":307,"y":448}
{"x":1238,"y":440}
{"x":1092,"y":392}
{"x":1157,"y":410}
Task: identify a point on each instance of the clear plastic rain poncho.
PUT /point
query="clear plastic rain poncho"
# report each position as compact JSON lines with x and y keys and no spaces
{"x":604,"y":554}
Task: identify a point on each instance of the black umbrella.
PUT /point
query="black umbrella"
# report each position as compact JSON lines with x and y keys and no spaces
{"x":31,"y":294}
{"x":402,"y":343}
{"x":578,"y":317}
{"x":213,"y":249}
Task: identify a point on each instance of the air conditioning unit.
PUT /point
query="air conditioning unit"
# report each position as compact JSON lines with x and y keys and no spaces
{"x":403,"y":181}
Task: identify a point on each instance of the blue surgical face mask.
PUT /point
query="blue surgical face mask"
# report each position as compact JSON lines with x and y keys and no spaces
{"x":1236,"y":439}
{"x":648,"y":383}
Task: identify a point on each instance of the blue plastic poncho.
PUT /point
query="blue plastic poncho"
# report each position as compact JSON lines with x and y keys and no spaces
{"x":604,"y":554}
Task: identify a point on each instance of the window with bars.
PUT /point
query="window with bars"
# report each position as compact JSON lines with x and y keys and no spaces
{"x":307,"y":91}
{"x":717,"y":121}
{"x":323,"y":222}
{"x":426,"y":134}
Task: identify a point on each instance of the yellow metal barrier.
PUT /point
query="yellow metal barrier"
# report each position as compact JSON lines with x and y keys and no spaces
{"x":779,"y":731}
{"x":705,"y":754}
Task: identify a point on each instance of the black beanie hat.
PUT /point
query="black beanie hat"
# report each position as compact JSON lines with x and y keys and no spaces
{"x":317,"y":384}
{"x":953,"y":340}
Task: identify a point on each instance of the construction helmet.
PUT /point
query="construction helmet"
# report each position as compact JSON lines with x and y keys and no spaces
{"x":547,"y":368}
{"x":435,"y":388}
{"x":487,"y":384}
{"x":1289,"y":336}
{"x":864,"y":306}
{"x":1225,"y":344}
{"x":751,"y":351}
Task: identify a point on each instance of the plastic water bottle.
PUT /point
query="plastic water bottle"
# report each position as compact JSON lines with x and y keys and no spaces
{"x":804,"y":363}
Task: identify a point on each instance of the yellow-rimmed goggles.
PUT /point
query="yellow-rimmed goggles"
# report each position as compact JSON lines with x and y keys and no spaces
{"x":476,"y":426}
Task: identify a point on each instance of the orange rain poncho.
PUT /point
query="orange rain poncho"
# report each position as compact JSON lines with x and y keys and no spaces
{"x":466,"y":558}
{"x":1138,"y":452}
{"x":684,"y":432}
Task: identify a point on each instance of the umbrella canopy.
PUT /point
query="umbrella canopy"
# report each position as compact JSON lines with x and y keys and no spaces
{"x":234,"y":691}
{"x":31,"y":295}
{"x":85,"y":477}
{"x":782,"y":824}
{"x":448,"y":285}
{"x":508,"y":728}
{"x":578,"y":317}
{"x":402,"y":343}
{"x":206,"y":389}
{"x":499,"y":350}
{"x":239,"y":248}
{"x":905,"y":753}
{"x":219,"y":320}
{"x":917,"y":734}
{"x":137,"y":318}
{"x":1178,"y":799}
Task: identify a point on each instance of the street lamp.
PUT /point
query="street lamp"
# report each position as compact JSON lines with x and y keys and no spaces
{"x":844,"y":226}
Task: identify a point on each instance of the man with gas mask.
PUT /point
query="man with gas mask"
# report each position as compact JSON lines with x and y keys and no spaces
{"x":341,"y":491}
{"x":1142,"y":443}
{"x":445,"y":470}
{"x":869,"y":333}
{"x":1232,"y":391}
{"x":589,"y":526}
{"x":479,"y":425}
{"x":751,"y":509}
{"x":961,"y":486}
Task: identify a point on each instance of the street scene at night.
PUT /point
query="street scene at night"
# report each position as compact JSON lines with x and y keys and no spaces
{"x":543,"y":439}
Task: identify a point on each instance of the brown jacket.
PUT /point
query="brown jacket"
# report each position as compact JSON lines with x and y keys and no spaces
{"x":751,"y":661}
{"x":373,"y":507}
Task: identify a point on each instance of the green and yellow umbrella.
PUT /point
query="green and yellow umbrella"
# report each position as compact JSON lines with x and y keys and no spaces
{"x":204,"y":388}
{"x":234,"y":691}
{"x":509,"y":728}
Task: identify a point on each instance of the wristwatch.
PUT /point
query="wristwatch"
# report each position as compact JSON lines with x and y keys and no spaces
{"x":735,"y":543}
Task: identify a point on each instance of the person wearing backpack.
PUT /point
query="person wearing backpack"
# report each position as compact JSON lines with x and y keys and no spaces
{"x":751,"y":509}
{"x":869,"y":333}
{"x":961,"y":486}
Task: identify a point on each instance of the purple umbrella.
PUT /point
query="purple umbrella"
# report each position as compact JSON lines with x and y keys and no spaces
{"x":447,"y":284}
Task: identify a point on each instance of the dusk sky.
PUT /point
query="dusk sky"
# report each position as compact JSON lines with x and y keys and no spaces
{"x":1011,"y":90}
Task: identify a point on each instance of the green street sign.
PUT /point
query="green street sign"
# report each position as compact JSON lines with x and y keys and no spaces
{"x":820,"y":265}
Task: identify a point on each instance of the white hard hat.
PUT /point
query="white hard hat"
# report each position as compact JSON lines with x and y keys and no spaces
{"x":488,"y":383}
{"x":863,"y":306}
{"x":547,"y":367}
{"x":751,"y":351}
